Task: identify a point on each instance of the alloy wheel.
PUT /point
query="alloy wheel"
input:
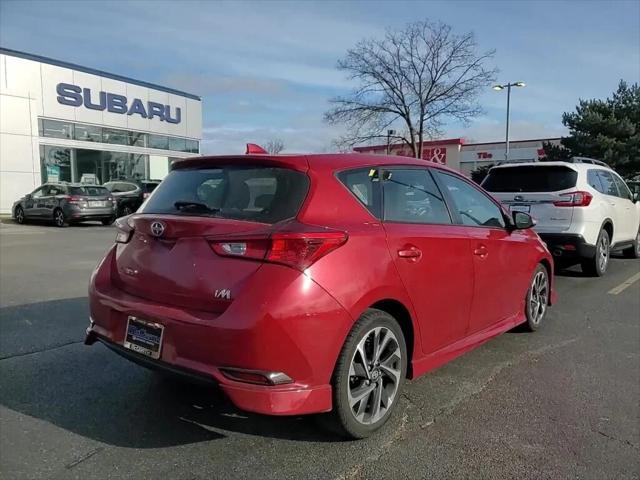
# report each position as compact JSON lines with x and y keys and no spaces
{"x":603,"y":253}
{"x":538,"y":297}
{"x":19,"y":215}
{"x":374,"y":375}
{"x":59,"y":218}
{"x":638,"y":244}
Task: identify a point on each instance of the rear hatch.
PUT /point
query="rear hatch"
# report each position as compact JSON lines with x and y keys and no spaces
{"x":91,"y":197}
{"x":167,"y":251}
{"x":540,"y":190}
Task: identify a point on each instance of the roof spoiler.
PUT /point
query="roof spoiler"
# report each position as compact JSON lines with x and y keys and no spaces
{"x":253,"y":148}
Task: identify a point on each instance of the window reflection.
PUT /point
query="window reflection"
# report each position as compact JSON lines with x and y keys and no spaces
{"x":94,"y":133}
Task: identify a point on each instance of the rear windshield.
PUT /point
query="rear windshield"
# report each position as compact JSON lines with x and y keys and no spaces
{"x":530,"y":179}
{"x":258,"y":194}
{"x":89,"y":191}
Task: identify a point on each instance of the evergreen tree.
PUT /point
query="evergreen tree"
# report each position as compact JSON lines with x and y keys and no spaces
{"x":607,"y":130}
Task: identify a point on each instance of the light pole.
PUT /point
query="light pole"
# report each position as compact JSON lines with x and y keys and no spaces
{"x":508,"y":87}
{"x":389,"y":133}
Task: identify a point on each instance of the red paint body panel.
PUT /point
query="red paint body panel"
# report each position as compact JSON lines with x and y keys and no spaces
{"x":281,"y":319}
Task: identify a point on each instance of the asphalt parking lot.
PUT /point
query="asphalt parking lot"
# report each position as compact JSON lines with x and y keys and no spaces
{"x":560,"y":403}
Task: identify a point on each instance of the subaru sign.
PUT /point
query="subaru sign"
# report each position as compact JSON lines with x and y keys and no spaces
{"x":76,"y":96}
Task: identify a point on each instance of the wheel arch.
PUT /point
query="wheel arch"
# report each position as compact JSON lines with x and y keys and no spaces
{"x":549,"y":268}
{"x":607,"y":225}
{"x":401,"y":314}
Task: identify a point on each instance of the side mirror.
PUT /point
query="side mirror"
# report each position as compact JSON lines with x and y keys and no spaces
{"x":522,"y":220}
{"x":636,"y":196}
{"x":27,"y":196}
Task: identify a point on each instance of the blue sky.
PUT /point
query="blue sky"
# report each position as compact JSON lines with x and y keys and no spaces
{"x":267,"y":69}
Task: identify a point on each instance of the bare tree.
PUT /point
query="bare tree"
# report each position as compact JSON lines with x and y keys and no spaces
{"x":274,"y":146}
{"x":412,"y":81}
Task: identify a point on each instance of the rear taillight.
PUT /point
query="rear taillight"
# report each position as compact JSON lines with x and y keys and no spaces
{"x":74,"y":199}
{"x":124,"y":229}
{"x":574,"y":199}
{"x":296,"y":249}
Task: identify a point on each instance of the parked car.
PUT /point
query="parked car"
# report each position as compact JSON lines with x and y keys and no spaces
{"x":583,"y":209}
{"x":308,"y":284}
{"x":65,"y":203}
{"x":129,"y":195}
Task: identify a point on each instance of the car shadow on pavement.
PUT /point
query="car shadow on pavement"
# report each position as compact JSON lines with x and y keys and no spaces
{"x":574,"y":269}
{"x":93,"y":392}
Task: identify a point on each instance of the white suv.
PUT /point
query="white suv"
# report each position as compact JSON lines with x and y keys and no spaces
{"x":583,"y":209}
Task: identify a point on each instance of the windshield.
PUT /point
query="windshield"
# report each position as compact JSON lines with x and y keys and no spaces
{"x":550,"y":178}
{"x":259,"y":194}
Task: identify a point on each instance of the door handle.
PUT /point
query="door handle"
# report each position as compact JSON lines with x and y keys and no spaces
{"x":412,"y":252}
{"x":481,"y":251}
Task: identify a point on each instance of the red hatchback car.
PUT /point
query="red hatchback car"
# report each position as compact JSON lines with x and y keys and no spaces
{"x":315,"y":283}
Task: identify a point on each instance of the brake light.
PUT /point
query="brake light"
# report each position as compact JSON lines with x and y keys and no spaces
{"x":575,"y":199}
{"x":297,"y":250}
{"x":76,"y":200}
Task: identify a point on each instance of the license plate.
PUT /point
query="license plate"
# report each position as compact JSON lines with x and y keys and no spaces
{"x":144,"y":337}
{"x":521,"y":208}
{"x":97,"y":203}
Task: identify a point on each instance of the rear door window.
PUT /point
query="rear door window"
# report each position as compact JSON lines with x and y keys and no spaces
{"x":594,"y":180}
{"x":127,"y":187}
{"x":364,"y":185}
{"x":259,"y":194}
{"x":608,"y":183}
{"x":411,"y":196}
{"x":530,"y":178}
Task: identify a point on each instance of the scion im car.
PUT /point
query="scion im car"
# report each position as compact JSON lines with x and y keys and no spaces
{"x":583,"y":208}
{"x":308,"y":284}
{"x":65,"y":203}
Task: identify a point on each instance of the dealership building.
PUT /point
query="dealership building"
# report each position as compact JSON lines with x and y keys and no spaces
{"x":466,"y":157}
{"x":64,"y":122}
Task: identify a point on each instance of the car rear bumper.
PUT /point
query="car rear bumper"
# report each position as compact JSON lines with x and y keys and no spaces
{"x":284,"y":400}
{"x":76,"y":213}
{"x":298,"y":332}
{"x":568,"y":245}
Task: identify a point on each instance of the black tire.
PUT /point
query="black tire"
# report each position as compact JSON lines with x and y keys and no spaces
{"x":19,"y":215}
{"x":59,"y":218}
{"x":634,"y":251}
{"x":108,"y":221}
{"x":342,"y":419}
{"x":537,"y":300}
{"x":126,"y":210}
{"x":597,"y":266}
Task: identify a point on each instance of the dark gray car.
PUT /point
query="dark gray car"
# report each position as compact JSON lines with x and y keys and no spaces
{"x":65,"y":203}
{"x":129,"y":195}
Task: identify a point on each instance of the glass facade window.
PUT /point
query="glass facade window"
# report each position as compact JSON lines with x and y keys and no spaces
{"x":55,"y":129}
{"x":94,"y":133}
{"x":137,"y":139}
{"x":177,"y":144}
{"x":55,"y":164}
{"x":119,"y":137}
{"x":192,"y":146}
{"x":87,"y":133}
{"x":70,"y":164}
{"x":158,"y":141}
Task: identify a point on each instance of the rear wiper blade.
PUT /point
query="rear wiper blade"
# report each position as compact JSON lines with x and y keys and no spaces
{"x":180,"y":205}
